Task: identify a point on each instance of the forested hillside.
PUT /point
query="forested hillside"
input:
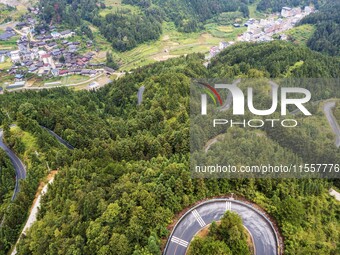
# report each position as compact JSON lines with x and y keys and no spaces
{"x":128,"y":176}
{"x":189,"y":16}
{"x":326,"y":38}
{"x":276,"y":59}
{"x":40,"y":152}
{"x":126,"y":28}
{"x":7,"y":182}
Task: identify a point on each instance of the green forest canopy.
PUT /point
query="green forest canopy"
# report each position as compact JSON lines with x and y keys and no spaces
{"x":127,"y":177}
{"x":227,"y":237}
{"x":326,"y":38}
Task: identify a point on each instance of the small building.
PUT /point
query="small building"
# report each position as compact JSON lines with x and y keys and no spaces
{"x":66,"y":33}
{"x":40,"y":44}
{"x":32,"y":69}
{"x":19,"y":77}
{"x":93,"y":85}
{"x":108,"y":70}
{"x":308,"y":10}
{"x":55,"y":35}
{"x":63,"y":72}
{"x":47,"y":59}
{"x":15,"y":56}
{"x":21,"y":25}
{"x":28,"y":63}
{"x":3,"y":52}
{"x":6,"y":36}
{"x":55,"y":72}
{"x":39,"y":37}
{"x":18,"y":84}
{"x":48,"y":37}
{"x":72,"y":48}
{"x":51,"y":45}
{"x":56,"y":52}
{"x":286,"y":12}
{"x":214,"y":51}
{"x":9,"y":30}
{"x":223,"y":45}
{"x":85,"y":72}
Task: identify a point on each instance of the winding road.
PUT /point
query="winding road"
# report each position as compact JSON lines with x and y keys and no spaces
{"x":327,"y":108}
{"x":20,"y":172}
{"x":140,"y":94}
{"x":61,"y":140}
{"x":19,"y":167}
{"x":260,"y":228}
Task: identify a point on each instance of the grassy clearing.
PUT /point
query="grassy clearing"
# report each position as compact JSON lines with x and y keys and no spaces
{"x":173,"y":44}
{"x":228,"y":33}
{"x":15,"y":14}
{"x":253,"y":13}
{"x":113,"y":6}
{"x":29,"y":141}
{"x":112,"y":2}
{"x":6,"y":65}
{"x":301,"y":34}
{"x":71,"y":79}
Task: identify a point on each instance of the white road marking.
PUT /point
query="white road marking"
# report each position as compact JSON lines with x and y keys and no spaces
{"x":179,"y":241}
{"x":199,"y":218}
{"x":228,"y":206}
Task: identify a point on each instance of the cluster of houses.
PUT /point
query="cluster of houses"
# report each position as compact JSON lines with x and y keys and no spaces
{"x":8,"y":34}
{"x":47,"y":54}
{"x":217,"y":49}
{"x":47,"y":57}
{"x":264,"y":29}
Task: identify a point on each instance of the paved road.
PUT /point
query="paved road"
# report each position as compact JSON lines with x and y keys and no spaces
{"x":327,"y":108}
{"x":261,"y":230}
{"x":229,"y":99}
{"x":20,"y":169}
{"x":61,"y":140}
{"x":140,"y":94}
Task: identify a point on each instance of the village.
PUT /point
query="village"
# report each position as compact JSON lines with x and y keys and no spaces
{"x":264,"y":30}
{"x":49,"y":54}
{"x":55,"y":53}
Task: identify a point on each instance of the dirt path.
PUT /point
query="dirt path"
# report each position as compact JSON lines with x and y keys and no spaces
{"x":335,"y":194}
{"x":212,"y":141}
{"x":35,"y":206}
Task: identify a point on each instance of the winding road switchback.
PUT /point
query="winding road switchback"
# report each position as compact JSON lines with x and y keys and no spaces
{"x":260,"y":228}
{"x":19,"y":167}
{"x":327,"y":108}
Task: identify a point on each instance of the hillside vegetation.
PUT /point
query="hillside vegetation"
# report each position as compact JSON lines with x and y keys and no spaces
{"x":326,"y":38}
{"x":117,"y":192}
